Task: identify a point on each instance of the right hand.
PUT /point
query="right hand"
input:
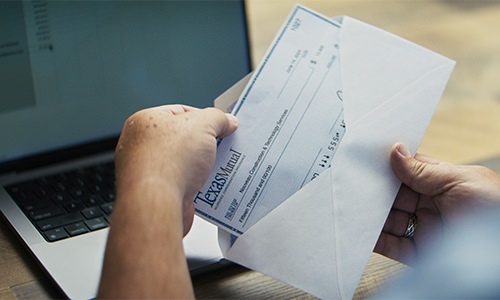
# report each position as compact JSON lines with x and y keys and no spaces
{"x":437,"y":193}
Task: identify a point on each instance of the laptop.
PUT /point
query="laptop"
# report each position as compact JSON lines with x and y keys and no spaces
{"x":70,"y":74}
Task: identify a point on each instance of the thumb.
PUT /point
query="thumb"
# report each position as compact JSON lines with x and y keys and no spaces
{"x":426,"y":176}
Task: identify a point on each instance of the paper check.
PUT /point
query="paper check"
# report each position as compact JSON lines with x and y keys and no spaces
{"x":291,"y":124}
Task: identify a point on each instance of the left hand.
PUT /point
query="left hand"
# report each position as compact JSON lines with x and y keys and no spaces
{"x":175,"y":144}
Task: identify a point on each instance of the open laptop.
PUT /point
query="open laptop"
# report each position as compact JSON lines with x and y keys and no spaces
{"x":70,"y":75}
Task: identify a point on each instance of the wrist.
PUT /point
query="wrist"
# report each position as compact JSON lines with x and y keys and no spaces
{"x":130,"y":179}
{"x":147,"y":218}
{"x":149,"y":200}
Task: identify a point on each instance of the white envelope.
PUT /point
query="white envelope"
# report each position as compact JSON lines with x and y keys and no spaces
{"x":321,"y":238}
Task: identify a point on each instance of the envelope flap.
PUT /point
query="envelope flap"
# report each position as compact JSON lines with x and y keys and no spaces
{"x":383,"y":62}
{"x":294,"y":242}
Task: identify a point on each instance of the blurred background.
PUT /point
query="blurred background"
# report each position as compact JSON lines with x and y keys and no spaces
{"x":466,"y":125}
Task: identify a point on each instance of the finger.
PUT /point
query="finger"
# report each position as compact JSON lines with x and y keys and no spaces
{"x":406,"y":199}
{"x":396,"y":223}
{"x":421,"y":176}
{"x":397,"y":248}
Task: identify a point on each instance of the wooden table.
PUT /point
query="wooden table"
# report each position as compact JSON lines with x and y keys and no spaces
{"x":465,"y":128}
{"x":21,"y":278}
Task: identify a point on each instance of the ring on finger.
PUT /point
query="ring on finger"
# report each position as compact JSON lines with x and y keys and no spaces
{"x":412,"y":226}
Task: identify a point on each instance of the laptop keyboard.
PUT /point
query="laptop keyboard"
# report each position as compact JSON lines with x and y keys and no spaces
{"x":68,"y":204}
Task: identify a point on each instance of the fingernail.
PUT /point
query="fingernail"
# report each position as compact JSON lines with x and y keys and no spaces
{"x":232,"y":119}
{"x":403,"y":150}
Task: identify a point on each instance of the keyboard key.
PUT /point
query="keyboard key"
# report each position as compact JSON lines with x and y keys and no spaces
{"x":23,"y":196}
{"x":76,"y":229}
{"x":37,"y":204}
{"x":45,"y":213}
{"x":41,"y":192}
{"x":93,"y":200}
{"x":61,"y":197}
{"x":97,"y":223}
{"x":96,"y":188}
{"x":109,"y":197}
{"x":79,"y":193}
{"x":107,"y":207}
{"x":60,"y":221}
{"x":56,"y":234}
{"x":59,"y":187}
{"x":73,"y":205}
{"x":93,"y":212}
{"x":22,"y":187}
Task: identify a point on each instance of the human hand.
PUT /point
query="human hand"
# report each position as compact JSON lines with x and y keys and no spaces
{"x":437,"y":193}
{"x":173,"y":144}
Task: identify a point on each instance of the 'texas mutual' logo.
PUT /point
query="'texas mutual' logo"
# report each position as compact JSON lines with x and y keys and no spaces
{"x":221,"y":177}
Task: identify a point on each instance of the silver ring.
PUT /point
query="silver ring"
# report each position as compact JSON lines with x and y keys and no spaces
{"x":412,"y":226}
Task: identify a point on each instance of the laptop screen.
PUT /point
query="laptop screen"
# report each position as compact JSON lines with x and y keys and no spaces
{"x":72,"y":72}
